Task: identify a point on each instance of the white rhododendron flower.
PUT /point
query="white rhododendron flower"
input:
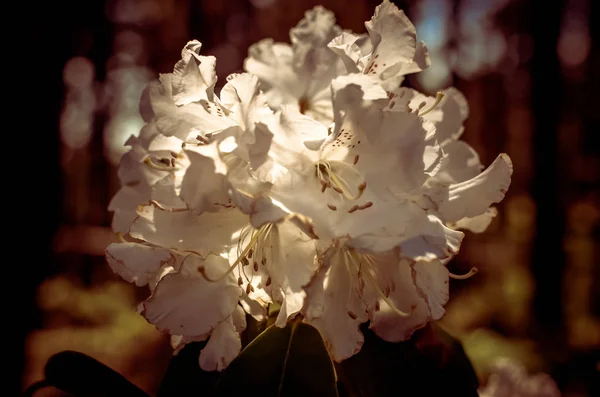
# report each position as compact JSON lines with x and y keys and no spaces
{"x":336,"y":194}
{"x":299,"y":74}
{"x":390,"y":52}
{"x":510,"y":378}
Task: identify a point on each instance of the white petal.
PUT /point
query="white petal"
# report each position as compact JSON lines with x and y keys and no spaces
{"x":209,"y":232}
{"x":311,"y":35}
{"x":127,"y":199}
{"x":153,"y":282}
{"x":294,"y":142}
{"x":122,"y":221}
{"x":419,"y":235}
{"x":403,"y":293}
{"x":132,"y":171}
{"x":136,"y":263}
{"x":370,"y":90}
{"x":477,"y":224}
{"x":166,"y":191}
{"x":290,"y":263}
{"x":253,"y":308}
{"x":334,"y":307}
{"x":315,"y":62}
{"x":432,"y":240}
{"x":257,"y":152}
{"x":161,"y":143}
{"x":178,"y":342}
{"x":204,"y":186}
{"x":243,"y":99}
{"x":195,"y":118}
{"x":194,"y":76}
{"x":454,"y":111}
{"x":239,"y":319}
{"x":272,"y":63}
{"x":460,"y":164}
{"x":299,"y":130}
{"x":474,"y":196}
{"x":357,"y":104}
{"x":318,"y":105}
{"x":261,"y":210}
{"x":249,"y":272}
{"x":223,"y":346}
{"x":431,"y":279}
{"x":401,"y":146}
{"x":348,"y":50}
{"x":185,"y":303}
{"x":395,"y":46}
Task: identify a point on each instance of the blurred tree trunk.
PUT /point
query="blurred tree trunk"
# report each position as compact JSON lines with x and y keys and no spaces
{"x":546,"y":188}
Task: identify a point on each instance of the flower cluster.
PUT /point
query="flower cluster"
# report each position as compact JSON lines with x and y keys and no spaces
{"x":314,"y":182}
{"x":510,"y":378}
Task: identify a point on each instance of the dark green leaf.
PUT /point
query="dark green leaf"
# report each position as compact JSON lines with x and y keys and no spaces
{"x":282,"y":362}
{"x":431,"y":363}
{"x":184,"y":377}
{"x":83,"y":376}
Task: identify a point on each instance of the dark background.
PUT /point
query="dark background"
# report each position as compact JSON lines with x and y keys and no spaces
{"x":529,"y":69}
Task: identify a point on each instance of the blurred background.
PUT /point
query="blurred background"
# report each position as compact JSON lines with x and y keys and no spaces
{"x":530,"y":71}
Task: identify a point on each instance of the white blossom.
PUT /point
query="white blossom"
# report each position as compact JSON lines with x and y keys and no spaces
{"x":336,"y":194}
{"x":391,"y":51}
{"x":510,"y":379}
{"x":299,"y":74}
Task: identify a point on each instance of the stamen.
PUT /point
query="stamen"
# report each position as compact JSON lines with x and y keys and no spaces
{"x":332,"y":207}
{"x":163,"y":208}
{"x":356,"y":159}
{"x":148,"y":161}
{"x":375,"y":284}
{"x":241,"y":257}
{"x":240,"y":281}
{"x":470,"y":274}
{"x":438,"y":99}
{"x":366,"y":205}
{"x":202,"y":139}
{"x":329,"y":179}
{"x":353,"y":209}
{"x":268,"y":281}
{"x":121,"y":237}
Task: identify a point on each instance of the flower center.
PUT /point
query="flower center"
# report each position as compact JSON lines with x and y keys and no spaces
{"x":247,"y":253}
{"x":330,"y":179}
{"x":434,"y":105}
{"x":363,"y":270}
{"x":345,"y":181}
{"x":303,"y":104}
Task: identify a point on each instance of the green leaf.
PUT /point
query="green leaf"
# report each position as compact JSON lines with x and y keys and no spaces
{"x":431,"y":363}
{"x":81,"y":375}
{"x":282,"y":362}
{"x":184,"y":377}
